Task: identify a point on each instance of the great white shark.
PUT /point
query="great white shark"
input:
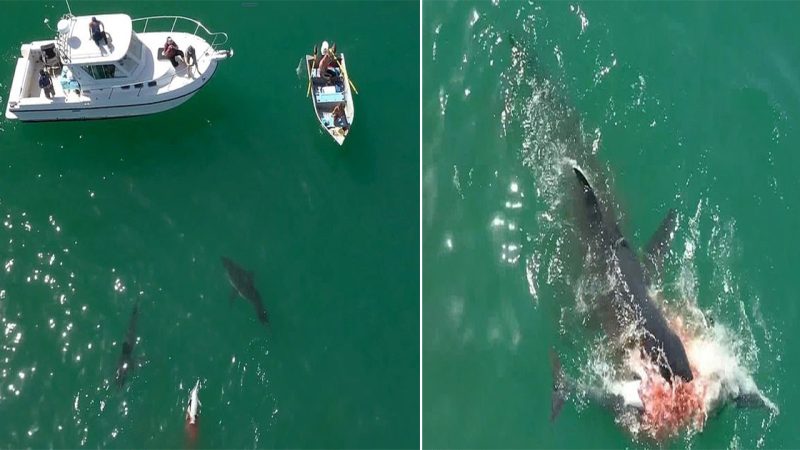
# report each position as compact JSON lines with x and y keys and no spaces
{"x":125,"y":364}
{"x":629,"y":304}
{"x":242,"y":282}
{"x":714,"y":371}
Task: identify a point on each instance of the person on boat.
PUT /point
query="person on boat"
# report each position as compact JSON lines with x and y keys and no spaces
{"x":98,"y":31}
{"x":172,"y":52}
{"x":324,"y":64}
{"x":326,"y":70}
{"x":46,"y":83}
{"x":339,"y":116}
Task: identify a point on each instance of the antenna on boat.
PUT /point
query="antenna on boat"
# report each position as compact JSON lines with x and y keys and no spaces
{"x":68,"y":8}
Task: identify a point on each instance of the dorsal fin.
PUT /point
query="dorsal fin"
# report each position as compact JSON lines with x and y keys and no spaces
{"x":658,"y":245}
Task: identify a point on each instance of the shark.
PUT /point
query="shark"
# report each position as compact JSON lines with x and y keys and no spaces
{"x":629,"y":305}
{"x":629,"y":302}
{"x":125,"y":364}
{"x":243,"y":285}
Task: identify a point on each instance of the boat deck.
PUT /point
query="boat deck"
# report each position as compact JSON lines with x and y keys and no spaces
{"x":125,"y":76}
{"x":156,"y":68}
{"x":328,"y":93}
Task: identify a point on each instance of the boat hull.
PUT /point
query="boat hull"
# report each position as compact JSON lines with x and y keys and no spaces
{"x":62,"y":110}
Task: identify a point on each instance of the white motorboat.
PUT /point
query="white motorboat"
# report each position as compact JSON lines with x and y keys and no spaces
{"x":331,"y":91}
{"x":125,"y":74}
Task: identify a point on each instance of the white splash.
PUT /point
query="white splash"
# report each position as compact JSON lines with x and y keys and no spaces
{"x":474,"y":19}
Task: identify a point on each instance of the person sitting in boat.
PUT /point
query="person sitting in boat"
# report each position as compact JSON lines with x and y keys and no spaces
{"x":98,"y":31}
{"x":325,"y":64}
{"x":172,"y":52}
{"x":46,"y":83}
{"x":339,"y":116}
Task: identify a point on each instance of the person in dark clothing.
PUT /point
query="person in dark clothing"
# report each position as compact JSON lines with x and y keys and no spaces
{"x":98,"y":31}
{"x":46,"y":83}
{"x":172,"y":52}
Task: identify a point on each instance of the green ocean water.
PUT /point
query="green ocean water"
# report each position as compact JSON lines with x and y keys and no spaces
{"x":100,"y":215}
{"x":685,"y":105}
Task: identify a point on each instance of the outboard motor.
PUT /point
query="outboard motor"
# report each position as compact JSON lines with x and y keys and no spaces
{"x":191,"y":57}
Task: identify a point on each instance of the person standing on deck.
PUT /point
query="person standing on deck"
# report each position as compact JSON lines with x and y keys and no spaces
{"x":97,"y":31}
{"x":46,"y":83}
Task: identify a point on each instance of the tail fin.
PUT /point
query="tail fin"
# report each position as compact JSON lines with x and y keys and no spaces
{"x":558,"y":386}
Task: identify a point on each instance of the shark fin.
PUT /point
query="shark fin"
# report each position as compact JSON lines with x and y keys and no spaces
{"x":558,"y":386}
{"x":658,"y":244}
{"x":755,"y":400}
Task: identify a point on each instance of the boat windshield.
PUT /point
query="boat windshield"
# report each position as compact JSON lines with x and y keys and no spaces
{"x":134,"y":54}
{"x":103,"y":71}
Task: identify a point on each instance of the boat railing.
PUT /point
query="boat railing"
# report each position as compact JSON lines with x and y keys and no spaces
{"x":175,"y":24}
{"x":184,"y":24}
{"x":178,"y":23}
{"x":64,"y":50}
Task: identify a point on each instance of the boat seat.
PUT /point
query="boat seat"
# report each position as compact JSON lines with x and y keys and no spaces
{"x":335,"y":97}
{"x":50,"y":57}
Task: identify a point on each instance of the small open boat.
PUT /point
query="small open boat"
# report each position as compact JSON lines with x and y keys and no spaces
{"x":331,"y":91}
{"x":122,"y":73}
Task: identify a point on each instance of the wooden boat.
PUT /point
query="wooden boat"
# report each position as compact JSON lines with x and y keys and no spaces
{"x":331,"y":91}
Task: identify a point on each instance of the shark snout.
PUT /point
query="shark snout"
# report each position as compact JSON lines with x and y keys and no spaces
{"x":677,"y":359}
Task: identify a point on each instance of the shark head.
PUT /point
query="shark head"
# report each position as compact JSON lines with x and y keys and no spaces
{"x":229,"y":265}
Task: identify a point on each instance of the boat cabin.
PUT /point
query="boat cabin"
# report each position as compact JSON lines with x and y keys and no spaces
{"x":102,"y":65}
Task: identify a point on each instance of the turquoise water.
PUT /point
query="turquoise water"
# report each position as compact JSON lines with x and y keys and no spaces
{"x":683,"y":105}
{"x":100,"y":215}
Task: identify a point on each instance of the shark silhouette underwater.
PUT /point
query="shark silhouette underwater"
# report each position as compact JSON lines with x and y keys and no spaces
{"x":242,"y":282}
{"x":126,"y":361}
